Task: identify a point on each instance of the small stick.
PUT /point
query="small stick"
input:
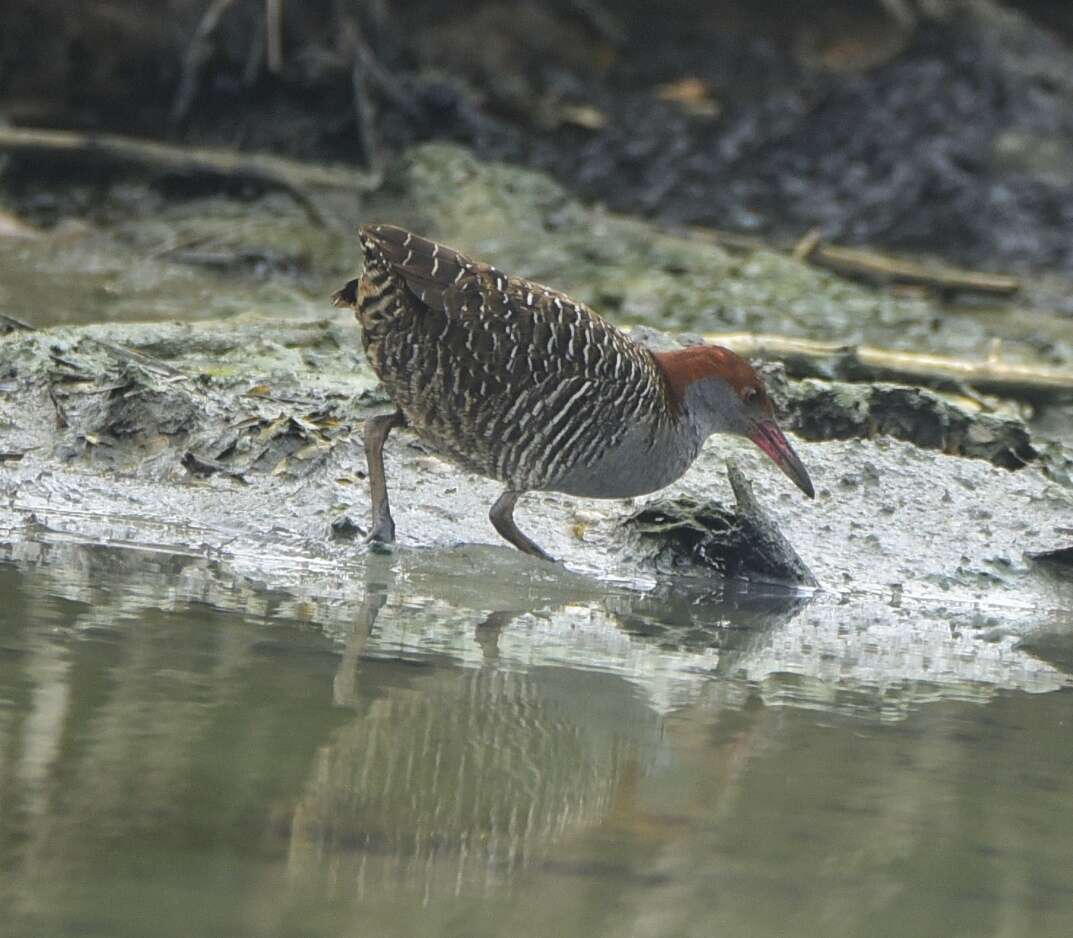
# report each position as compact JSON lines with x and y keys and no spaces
{"x":372,"y":68}
{"x":197,"y":53}
{"x":274,"y":35}
{"x":804,"y":248}
{"x":364,"y":115}
{"x":12,"y":324}
{"x":605,"y":23}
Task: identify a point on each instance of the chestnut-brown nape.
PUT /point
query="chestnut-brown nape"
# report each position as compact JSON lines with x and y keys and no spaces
{"x":684,"y":366}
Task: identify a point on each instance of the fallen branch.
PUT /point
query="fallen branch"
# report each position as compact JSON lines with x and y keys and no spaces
{"x":271,"y":172}
{"x":871,"y":266}
{"x":884,"y":269}
{"x":809,"y":358}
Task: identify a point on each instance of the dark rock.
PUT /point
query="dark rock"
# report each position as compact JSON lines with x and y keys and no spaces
{"x":203,"y":466}
{"x":345,"y":528}
{"x":1060,"y":557}
{"x":821,"y":410}
{"x":742,"y":543}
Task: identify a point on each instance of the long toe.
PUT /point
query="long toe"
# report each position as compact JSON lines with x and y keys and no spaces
{"x":380,"y":547}
{"x":382,"y":532}
{"x":535,"y":550}
{"x":544,"y":555}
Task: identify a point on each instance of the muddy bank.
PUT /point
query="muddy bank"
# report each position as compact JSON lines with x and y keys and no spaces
{"x":478,"y":606}
{"x":242,"y":440}
{"x":248,"y":418}
{"x":228,"y":456}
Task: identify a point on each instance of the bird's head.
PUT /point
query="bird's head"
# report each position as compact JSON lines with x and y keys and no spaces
{"x":718,"y":391}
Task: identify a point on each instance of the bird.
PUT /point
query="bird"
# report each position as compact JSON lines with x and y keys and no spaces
{"x":516,"y":381}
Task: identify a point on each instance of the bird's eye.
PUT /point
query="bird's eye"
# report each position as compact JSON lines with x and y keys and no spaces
{"x":748,"y":393}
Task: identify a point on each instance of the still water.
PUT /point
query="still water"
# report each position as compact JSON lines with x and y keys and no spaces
{"x":184,"y":753}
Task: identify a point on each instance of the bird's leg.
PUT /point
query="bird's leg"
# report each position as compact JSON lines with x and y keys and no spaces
{"x":376,"y":431}
{"x":502,"y":518}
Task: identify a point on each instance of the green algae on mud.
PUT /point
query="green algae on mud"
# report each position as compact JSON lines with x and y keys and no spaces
{"x":131,"y":248}
{"x":636,"y":273}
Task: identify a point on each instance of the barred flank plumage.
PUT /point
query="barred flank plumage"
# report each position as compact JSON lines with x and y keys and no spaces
{"x":504,"y":376}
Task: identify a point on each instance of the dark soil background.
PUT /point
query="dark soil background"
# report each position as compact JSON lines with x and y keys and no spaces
{"x":937,"y":126}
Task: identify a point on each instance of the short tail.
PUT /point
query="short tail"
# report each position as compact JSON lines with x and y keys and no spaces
{"x":427,"y":268}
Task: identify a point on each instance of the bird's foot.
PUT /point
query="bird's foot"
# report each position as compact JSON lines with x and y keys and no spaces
{"x":382,"y":533}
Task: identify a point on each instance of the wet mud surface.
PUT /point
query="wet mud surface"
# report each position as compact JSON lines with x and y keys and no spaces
{"x":244,"y":438}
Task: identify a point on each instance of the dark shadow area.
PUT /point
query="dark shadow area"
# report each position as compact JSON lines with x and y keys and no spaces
{"x":941,"y":127}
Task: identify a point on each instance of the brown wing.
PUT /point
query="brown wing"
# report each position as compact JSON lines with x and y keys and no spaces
{"x":506,"y":376}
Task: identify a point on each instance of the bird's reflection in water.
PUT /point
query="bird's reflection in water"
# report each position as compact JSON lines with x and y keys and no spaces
{"x":452,"y":778}
{"x":566,"y":757}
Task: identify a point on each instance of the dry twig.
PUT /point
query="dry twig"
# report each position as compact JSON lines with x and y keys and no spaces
{"x":274,"y":35}
{"x":884,"y":269}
